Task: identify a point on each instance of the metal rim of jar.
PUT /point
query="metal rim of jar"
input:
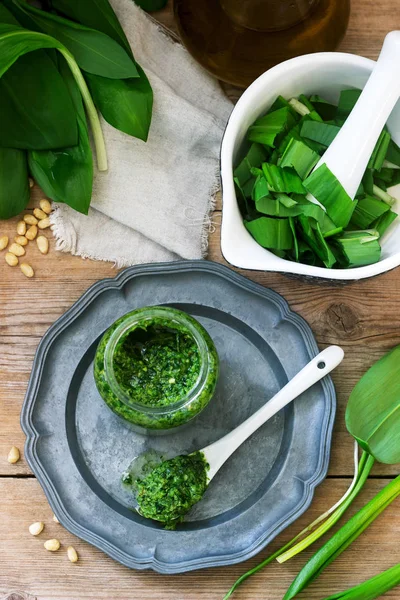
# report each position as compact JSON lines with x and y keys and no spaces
{"x":173,"y":315}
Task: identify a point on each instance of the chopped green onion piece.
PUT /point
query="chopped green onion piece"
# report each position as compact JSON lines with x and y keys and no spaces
{"x":299,"y":107}
{"x":260,"y":189}
{"x":319,"y":132}
{"x":328,"y":190}
{"x":367,"y":211}
{"x":382,"y":224}
{"x":359,"y":248}
{"x":271,"y":233}
{"x":323,"y":107}
{"x":266,"y":129}
{"x":382,"y":195}
{"x":286,"y":200}
{"x":314,"y":238}
{"x":304,"y":100}
{"x":241,"y":198}
{"x":386,"y":174}
{"x":281,"y":102}
{"x":380,"y":150}
{"x":255,"y":156}
{"x":368,"y":182}
{"x":393,"y":153}
{"x":248,"y":187}
{"x":333,"y":232}
{"x":347,"y":100}
{"x":300,"y":157}
{"x":282,"y":180}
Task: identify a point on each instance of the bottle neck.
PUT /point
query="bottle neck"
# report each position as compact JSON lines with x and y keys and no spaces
{"x":267,"y":15}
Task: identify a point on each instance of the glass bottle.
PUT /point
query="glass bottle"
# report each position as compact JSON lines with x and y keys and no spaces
{"x":237,"y":40}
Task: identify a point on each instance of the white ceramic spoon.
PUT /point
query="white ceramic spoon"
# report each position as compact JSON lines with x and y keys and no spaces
{"x":218,"y":453}
{"x":348,"y":155}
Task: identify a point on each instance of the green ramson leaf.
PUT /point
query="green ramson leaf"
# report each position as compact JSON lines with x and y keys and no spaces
{"x":319,"y":132}
{"x":300,"y":157}
{"x":379,"y":153}
{"x":367,"y":211}
{"x":126,"y":104}
{"x":323,"y":107}
{"x":97,"y":14}
{"x":368,"y":182}
{"x":373,"y":409}
{"x":271,"y":233}
{"x":383,"y":222}
{"x":294,"y":133}
{"x":26,"y":120}
{"x":14,"y":184}
{"x":66,"y":175}
{"x":347,"y":101}
{"x":267,"y":128}
{"x":295,"y":241}
{"x":274,"y":208}
{"x":324,"y":186}
{"x":358,"y":248}
{"x":255,"y":156}
{"x":6,"y":16}
{"x":282,"y":180}
{"x":94,"y":51}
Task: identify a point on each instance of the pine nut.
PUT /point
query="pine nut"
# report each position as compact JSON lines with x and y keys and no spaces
{"x":36,"y":528}
{"x":11,"y":259}
{"x":44,"y":223}
{"x":45,"y":206}
{"x":31,"y":182}
{"x":30,"y":219}
{"x":39,"y":213}
{"x":13,"y":455}
{"x":42,"y":244}
{"x":52,"y":545}
{"x":17,"y":249}
{"x":21,"y":228}
{"x":32,"y":232}
{"x":3,"y":242}
{"x":27,"y":270}
{"x":55,"y":519}
{"x":72,"y":554}
{"x":21,"y":240}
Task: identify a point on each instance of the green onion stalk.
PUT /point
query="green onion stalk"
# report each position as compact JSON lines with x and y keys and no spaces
{"x":325,"y":522}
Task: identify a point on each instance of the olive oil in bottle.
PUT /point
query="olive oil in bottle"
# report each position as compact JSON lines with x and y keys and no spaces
{"x":237,"y":40}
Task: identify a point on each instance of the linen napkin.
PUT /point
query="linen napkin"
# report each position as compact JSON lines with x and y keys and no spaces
{"x":154,"y":202}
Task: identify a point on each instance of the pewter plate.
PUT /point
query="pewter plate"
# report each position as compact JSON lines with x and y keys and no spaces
{"x":78,"y":448}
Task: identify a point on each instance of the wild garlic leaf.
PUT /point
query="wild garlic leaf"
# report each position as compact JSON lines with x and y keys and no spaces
{"x":97,"y":14}
{"x":373,"y":409}
{"x":126,"y":104}
{"x":93,"y":51}
{"x":66,"y":175}
{"x":266,"y":129}
{"x":14,"y":184}
{"x":28,"y":122}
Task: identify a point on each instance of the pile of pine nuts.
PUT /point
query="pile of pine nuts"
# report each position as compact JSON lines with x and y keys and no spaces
{"x":27,"y":230}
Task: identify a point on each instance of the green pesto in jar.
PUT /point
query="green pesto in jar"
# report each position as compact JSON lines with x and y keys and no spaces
{"x":156,"y":365}
{"x":172,"y":488}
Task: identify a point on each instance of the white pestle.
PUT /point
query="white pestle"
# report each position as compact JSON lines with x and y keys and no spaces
{"x":348,"y":155}
{"x":218,"y":453}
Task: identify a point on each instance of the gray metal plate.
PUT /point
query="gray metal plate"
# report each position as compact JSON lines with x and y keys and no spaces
{"x":78,"y":448}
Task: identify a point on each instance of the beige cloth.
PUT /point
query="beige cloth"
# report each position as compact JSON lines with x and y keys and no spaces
{"x":154,"y":202}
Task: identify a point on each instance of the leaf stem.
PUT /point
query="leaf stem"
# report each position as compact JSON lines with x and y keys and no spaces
{"x":93,"y":117}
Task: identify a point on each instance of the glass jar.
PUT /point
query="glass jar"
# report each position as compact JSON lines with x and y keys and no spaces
{"x":157,"y":368}
{"x":238,"y":40}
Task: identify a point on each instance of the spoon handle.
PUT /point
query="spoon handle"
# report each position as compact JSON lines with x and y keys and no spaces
{"x":348,"y":155}
{"x":218,"y":452}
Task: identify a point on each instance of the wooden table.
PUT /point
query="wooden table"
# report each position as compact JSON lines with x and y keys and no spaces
{"x":363,"y":317}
